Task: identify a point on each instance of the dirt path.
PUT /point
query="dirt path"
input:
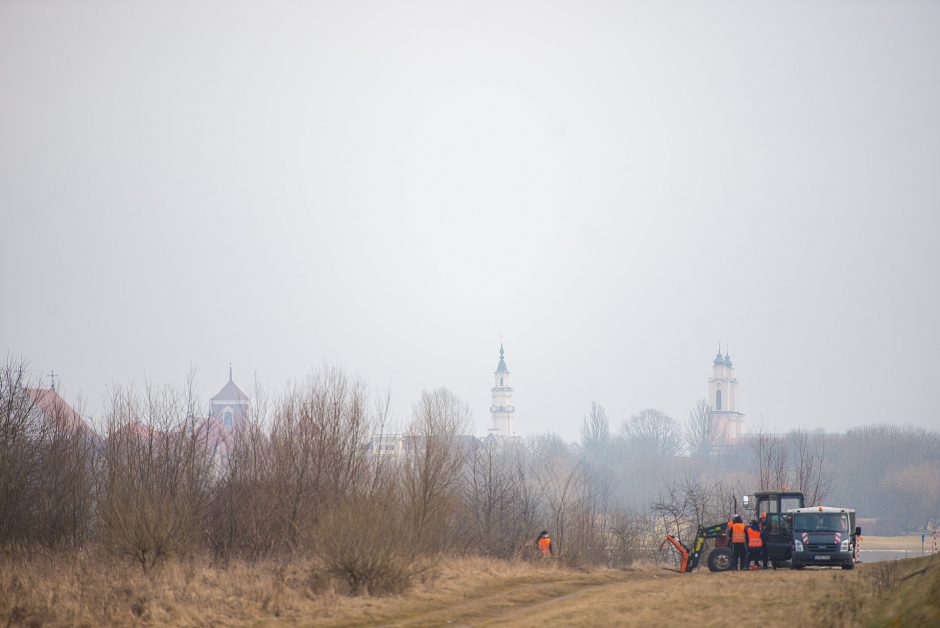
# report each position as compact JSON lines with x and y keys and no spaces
{"x":536,"y":609}
{"x":646,"y":596}
{"x":639,"y":598}
{"x":522,"y":602}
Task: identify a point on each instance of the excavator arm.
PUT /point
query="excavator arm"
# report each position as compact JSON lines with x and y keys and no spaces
{"x":683,"y":551}
{"x":692,"y":556}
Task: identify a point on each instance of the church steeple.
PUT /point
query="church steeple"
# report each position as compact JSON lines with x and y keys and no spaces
{"x":501,"y":409}
{"x":501,"y":367}
{"x":722,"y":397}
{"x":230,"y":405}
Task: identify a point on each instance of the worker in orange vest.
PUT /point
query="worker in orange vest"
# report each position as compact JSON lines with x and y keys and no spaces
{"x":544,"y":545}
{"x":738,"y":543}
{"x":755,"y":546}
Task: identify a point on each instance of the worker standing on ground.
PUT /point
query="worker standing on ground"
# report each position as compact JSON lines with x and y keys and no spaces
{"x":755,"y":546}
{"x":738,"y":543}
{"x":764,"y":533}
{"x":544,"y":545}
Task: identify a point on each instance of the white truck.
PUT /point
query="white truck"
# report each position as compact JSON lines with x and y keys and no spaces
{"x":823,"y":535}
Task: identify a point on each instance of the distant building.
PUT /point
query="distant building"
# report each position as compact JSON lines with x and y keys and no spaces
{"x":230,"y":406}
{"x":501,"y":409}
{"x":723,"y":399}
{"x":405,"y":445}
{"x":384,"y":445}
{"x":408,"y":446}
{"x":57,"y":411}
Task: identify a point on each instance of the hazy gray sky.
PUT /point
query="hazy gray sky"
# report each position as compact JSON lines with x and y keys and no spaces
{"x":392,"y":186}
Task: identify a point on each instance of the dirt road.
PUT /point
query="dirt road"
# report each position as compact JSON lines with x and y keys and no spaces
{"x":637,"y":597}
{"x":516,"y":604}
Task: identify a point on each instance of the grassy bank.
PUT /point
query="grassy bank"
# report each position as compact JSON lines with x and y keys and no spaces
{"x":93,"y":590}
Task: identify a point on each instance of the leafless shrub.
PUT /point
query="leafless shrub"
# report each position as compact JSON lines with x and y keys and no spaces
{"x":370,"y":545}
{"x":318,"y":450}
{"x":157,"y":467}
{"x":499,"y":504}
{"x":627,"y":531}
{"x":47,"y":458}
{"x":431,"y":471}
{"x":243,"y":517}
{"x":690,"y":502}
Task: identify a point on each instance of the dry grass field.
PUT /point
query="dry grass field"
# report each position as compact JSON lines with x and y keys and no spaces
{"x":91,"y":591}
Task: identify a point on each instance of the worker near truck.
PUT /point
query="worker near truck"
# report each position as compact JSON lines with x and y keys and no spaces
{"x":755,"y":546}
{"x":738,"y":543}
{"x":764,"y":533}
{"x":544,"y":545}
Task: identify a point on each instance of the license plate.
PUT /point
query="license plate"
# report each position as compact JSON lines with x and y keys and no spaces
{"x":821,"y":557}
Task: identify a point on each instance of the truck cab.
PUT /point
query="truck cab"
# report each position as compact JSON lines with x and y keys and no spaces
{"x":772,"y":509}
{"x":823,"y":536}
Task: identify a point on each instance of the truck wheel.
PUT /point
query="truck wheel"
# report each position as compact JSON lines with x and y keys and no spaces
{"x":795,"y":565}
{"x":848,"y":566}
{"x":719,"y":559}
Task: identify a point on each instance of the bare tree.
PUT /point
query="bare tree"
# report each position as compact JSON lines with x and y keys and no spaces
{"x":653,"y":431}
{"x":771,"y":456}
{"x":561,"y":481}
{"x":595,"y":429}
{"x":47,"y":458}
{"x":319,"y":449}
{"x":811,"y":472}
{"x":702,"y":435}
{"x":244,"y":518}
{"x":496,"y":498}
{"x":435,"y":458}
{"x":157,"y":474}
{"x":914,"y":491}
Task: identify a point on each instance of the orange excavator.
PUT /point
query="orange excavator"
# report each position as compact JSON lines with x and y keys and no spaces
{"x":773,"y":507}
{"x":719,"y":559}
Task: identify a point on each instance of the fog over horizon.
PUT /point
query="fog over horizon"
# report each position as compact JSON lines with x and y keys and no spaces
{"x":611,"y":188}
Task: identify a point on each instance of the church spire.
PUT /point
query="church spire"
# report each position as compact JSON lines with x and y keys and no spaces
{"x":501,"y":367}
{"x":501,"y":408}
{"x":229,"y":371}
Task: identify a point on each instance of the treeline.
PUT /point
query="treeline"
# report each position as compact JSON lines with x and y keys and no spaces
{"x":889,"y":474}
{"x":301,"y":476}
{"x":298,"y":477}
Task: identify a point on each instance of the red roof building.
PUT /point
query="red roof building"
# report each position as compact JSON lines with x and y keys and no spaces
{"x":57,"y":410}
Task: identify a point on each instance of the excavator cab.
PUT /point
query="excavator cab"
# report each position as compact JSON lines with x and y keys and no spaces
{"x":770,"y":502}
{"x":771,"y":508}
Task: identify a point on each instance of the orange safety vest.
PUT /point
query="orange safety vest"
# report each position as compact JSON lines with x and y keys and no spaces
{"x":737,"y":533}
{"x":545,"y":546}
{"x":753,"y":538}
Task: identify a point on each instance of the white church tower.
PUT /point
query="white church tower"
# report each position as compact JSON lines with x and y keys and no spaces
{"x":501,"y":409}
{"x":723,"y":398}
